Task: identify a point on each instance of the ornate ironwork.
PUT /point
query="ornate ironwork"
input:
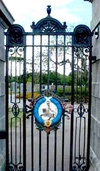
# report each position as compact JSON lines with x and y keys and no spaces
{"x":53,"y":108}
{"x":81,"y":110}
{"x":18,"y":167}
{"x":15,"y":110}
{"x":48,"y":9}
{"x":48,"y":25}
{"x":52,"y":50}
{"x":79,"y":167}
{"x":82,"y":36}
{"x":15,"y":36}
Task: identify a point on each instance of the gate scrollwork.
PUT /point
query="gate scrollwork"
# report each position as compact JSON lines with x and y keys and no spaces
{"x":82,"y":36}
{"x":48,"y":75}
{"x":15,"y":36}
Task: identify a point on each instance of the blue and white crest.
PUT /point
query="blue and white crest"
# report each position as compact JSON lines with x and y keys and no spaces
{"x":48,"y":111}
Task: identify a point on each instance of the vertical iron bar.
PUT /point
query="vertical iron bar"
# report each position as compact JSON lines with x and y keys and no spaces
{"x":75,"y":147}
{"x":40,"y":63}
{"x":24,"y":111}
{"x":47,"y":152}
{"x":15,"y":108}
{"x":63,"y":125}
{"x":84,"y":138}
{"x":55,"y":133}
{"x":77,"y":83}
{"x":48,"y":70}
{"x":20,"y":140}
{"x":11,"y":82}
{"x":39,"y":150}
{"x":89,"y":112}
{"x":64,"y":69}
{"x":81,"y":82}
{"x":85,"y":81}
{"x":32,"y":143}
{"x":16,"y":140}
{"x":72,"y":115}
{"x":20,"y":78}
{"x":56,"y":63}
{"x":79,"y":141}
{"x":15,"y":75}
{"x":32,"y":118}
{"x":55,"y":150}
{"x":7,"y":112}
{"x":11,"y":140}
{"x":40,"y":92}
{"x":63,"y":118}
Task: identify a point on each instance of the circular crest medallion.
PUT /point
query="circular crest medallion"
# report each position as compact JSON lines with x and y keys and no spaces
{"x":47,"y":112}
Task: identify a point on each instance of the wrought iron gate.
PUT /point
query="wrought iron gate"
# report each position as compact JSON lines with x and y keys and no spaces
{"x":48,"y":65}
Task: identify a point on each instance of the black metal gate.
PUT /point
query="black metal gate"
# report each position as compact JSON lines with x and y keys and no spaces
{"x":49,"y":62}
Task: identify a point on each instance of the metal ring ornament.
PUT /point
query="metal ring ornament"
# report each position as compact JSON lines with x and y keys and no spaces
{"x":47,"y":119}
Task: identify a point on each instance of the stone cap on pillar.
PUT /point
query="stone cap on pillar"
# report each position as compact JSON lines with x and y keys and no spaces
{"x":6,"y":19}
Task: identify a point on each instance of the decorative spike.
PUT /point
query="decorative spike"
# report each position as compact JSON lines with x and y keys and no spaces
{"x":48,"y":9}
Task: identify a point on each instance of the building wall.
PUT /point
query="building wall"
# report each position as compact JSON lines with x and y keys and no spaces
{"x":5,"y":21}
{"x":95,"y":107}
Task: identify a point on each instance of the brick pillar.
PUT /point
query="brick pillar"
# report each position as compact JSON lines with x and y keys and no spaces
{"x":6,"y":20}
{"x":95,"y":107}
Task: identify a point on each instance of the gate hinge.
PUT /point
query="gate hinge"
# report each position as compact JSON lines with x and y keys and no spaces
{"x":93,"y":58}
{"x":3,"y":134}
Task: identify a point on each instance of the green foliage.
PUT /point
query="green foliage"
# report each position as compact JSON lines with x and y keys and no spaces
{"x":61,"y":92}
{"x":80,"y":93}
{"x":53,"y":77}
{"x":80,"y":78}
{"x":16,"y":58}
{"x":69,"y":80}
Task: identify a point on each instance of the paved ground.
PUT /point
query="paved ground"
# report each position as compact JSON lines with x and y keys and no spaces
{"x":44,"y":151}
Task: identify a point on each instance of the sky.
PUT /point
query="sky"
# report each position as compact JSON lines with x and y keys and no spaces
{"x":73,"y":12}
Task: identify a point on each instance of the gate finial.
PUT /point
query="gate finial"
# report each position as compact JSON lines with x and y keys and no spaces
{"x":48,"y":10}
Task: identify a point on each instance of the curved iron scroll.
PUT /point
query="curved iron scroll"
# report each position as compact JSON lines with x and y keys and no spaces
{"x":17,"y":167}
